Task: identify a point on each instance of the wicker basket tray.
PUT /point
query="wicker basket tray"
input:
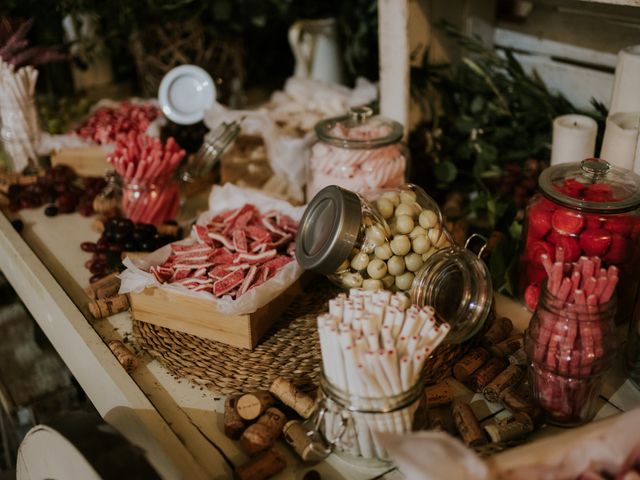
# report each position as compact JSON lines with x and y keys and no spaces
{"x":290,"y":349}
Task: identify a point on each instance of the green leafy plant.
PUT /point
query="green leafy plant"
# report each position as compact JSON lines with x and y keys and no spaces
{"x":489,"y":137}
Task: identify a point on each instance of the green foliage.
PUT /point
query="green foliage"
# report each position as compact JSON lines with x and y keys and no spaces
{"x":492,"y":116}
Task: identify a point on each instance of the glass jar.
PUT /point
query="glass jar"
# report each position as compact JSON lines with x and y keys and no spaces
{"x":569,"y":349}
{"x":359,"y":152}
{"x":589,"y":209}
{"x":347,"y":421}
{"x":151,"y":201}
{"x":19,"y":134}
{"x":394,"y":239}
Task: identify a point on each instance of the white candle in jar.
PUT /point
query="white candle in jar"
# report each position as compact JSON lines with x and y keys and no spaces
{"x":574,"y":138}
{"x":626,"y":85}
{"x":620,"y":146}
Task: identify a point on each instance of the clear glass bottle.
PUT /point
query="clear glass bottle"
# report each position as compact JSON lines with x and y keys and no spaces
{"x":359,"y":152}
{"x":19,"y":135}
{"x":394,"y":239}
{"x":151,"y":201}
{"x":569,"y":349}
{"x":346,"y":421}
{"x":589,"y":209}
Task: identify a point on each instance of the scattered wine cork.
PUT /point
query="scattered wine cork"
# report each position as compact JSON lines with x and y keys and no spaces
{"x":233,"y":423}
{"x":104,"y":288}
{"x":518,"y":357}
{"x":262,"y":467}
{"x":486,"y":373}
{"x":106,"y":204}
{"x":97,"y":225}
{"x":499,"y":329}
{"x":108,"y":306}
{"x":263,"y":434}
{"x":169,"y":229}
{"x":467,"y":424}
{"x":298,"y":437}
{"x":440,"y":419}
{"x":125,"y":357}
{"x":507,"y":378}
{"x":133,"y":255}
{"x":287,"y":393}
{"x":508,"y":430}
{"x":508,"y":346}
{"x":470,"y":363}
{"x":521,"y":409}
{"x":251,"y":405}
{"x":439,"y":394}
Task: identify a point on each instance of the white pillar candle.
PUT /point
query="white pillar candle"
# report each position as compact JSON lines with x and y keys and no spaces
{"x":574,"y":138}
{"x":626,"y":91}
{"x":620,"y":146}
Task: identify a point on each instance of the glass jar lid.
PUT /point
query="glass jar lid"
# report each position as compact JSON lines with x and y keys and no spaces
{"x":328,"y":230}
{"x":457,"y":284}
{"x":593,"y":185}
{"x":359,"y":129}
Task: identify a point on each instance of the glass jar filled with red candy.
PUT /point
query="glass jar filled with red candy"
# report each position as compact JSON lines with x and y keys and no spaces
{"x":586,"y":209}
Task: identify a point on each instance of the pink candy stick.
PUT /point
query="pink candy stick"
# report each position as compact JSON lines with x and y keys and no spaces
{"x":587,"y":271}
{"x":613,"y":270}
{"x":597,"y":262}
{"x":580,"y":298}
{"x":590,"y":286}
{"x":555,"y":278}
{"x":602,"y":272}
{"x":559,"y":254}
{"x":575,"y":284}
{"x":563,"y":291}
{"x":607,"y":293}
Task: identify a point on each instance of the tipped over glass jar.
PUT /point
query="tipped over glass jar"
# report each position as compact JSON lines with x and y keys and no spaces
{"x":394,"y":239}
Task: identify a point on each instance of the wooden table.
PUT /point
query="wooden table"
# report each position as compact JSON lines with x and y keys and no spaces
{"x":178,"y":423}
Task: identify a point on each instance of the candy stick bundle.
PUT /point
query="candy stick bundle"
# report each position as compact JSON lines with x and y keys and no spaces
{"x":146,"y":165}
{"x":571,"y":340}
{"x":374,"y":345}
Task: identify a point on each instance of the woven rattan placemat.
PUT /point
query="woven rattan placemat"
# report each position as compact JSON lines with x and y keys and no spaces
{"x":290,"y":350}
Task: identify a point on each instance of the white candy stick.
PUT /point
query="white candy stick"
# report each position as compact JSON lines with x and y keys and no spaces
{"x":375,"y":367}
{"x":336,"y":307}
{"x":338,"y":362}
{"x":389,"y":361}
{"x":374,"y":342}
{"x":346,"y":338}
{"x":361,"y":347}
{"x":389,"y":316}
{"x":406,"y":372}
{"x":428,"y":325}
{"x":385,"y":296}
{"x":362,"y":430}
{"x":374,"y":421}
{"x":410,"y":323}
{"x":356,"y":326}
{"x":443,"y":330}
{"x":398,"y":321}
{"x":367,"y":324}
{"x":386,"y":334}
{"x":356,"y":292}
{"x":412,"y":345}
{"x":401,"y":344}
{"x":349,"y":313}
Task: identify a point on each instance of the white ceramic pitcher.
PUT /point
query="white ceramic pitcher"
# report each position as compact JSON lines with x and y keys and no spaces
{"x":316,"y":50}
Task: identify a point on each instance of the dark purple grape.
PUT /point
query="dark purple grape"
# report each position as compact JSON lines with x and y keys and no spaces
{"x":51,"y":211}
{"x":111,"y":224}
{"x":14,"y":191}
{"x":102,"y":245}
{"x":66,"y":202}
{"x":130,"y":246}
{"x":88,"y":246}
{"x":116,"y":247}
{"x":147,"y":246}
{"x":17,"y":224}
{"x":97,"y":267}
{"x":85,"y":208}
{"x":121,"y":235}
{"x":125,"y":224}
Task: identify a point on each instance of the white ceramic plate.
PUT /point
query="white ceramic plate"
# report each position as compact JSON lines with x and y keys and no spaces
{"x":185,"y":93}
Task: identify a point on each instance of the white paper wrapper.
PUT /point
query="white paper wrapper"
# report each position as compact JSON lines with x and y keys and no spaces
{"x":136,"y":277}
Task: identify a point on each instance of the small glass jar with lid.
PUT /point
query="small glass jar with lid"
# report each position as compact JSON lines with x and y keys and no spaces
{"x":394,"y":239}
{"x":588,"y":209}
{"x":359,"y":152}
{"x":348,"y":422}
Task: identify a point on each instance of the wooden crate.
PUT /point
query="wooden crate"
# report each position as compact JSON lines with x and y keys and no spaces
{"x":86,"y":161}
{"x":200,"y":317}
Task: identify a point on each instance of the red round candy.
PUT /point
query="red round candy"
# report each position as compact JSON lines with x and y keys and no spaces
{"x":593,"y":221}
{"x":572,"y":188}
{"x":537,"y":248}
{"x":619,"y":250}
{"x":598,"y":192}
{"x":595,"y":242}
{"x":536,"y":274}
{"x":539,"y":222}
{"x":621,"y":225}
{"x":571,"y":247}
{"x":567,"y":222}
{"x":531,"y":295}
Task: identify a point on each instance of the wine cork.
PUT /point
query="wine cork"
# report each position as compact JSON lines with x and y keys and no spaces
{"x":287,"y":393}
{"x":233,"y":423}
{"x":499,"y":329}
{"x":508,"y":430}
{"x":104,"y":288}
{"x":507,"y":378}
{"x":439,"y":394}
{"x":467,"y":424}
{"x":262,"y":467}
{"x":518,"y":357}
{"x":105,"y":204}
{"x":470,"y":363}
{"x":108,"y":306}
{"x":508,"y":346}
{"x":440,"y":419}
{"x":251,"y":405}
{"x":169,"y":229}
{"x":97,"y":225}
{"x":522,"y":409}
{"x":125,"y":357}
{"x":486,"y":373}
{"x":263,"y":434}
{"x":298,"y":437}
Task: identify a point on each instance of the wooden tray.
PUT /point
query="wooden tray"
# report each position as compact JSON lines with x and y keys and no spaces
{"x":199,"y":317}
{"x":86,"y":161}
